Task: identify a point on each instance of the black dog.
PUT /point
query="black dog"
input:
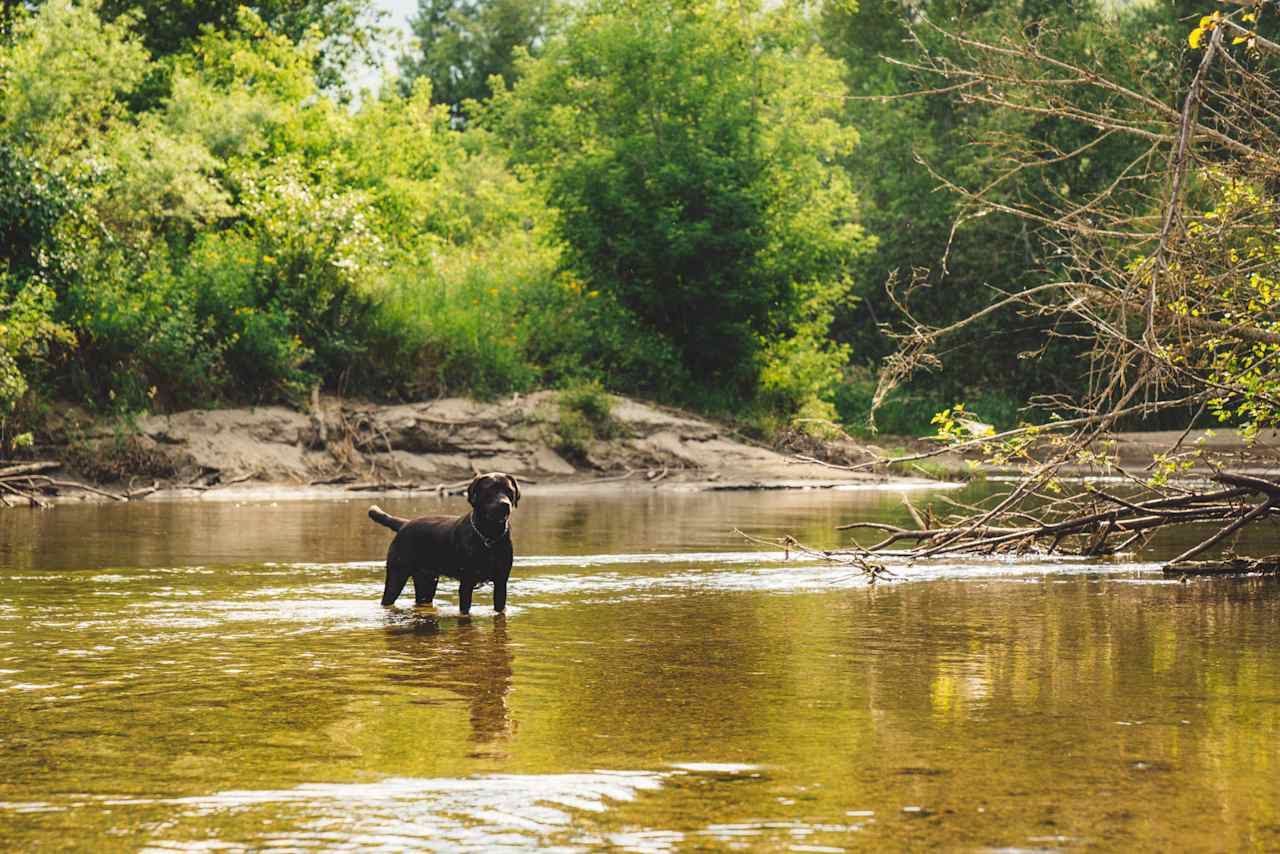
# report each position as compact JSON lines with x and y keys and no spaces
{"x":474,"y":548}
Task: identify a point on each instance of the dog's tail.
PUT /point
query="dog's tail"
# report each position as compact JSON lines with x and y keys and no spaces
{"x":380,"y":516}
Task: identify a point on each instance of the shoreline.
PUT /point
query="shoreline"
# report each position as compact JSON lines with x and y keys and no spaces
{"x":342,"y":449}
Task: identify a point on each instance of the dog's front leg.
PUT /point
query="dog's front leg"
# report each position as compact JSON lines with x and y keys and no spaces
{"x":464,"y":596}
{"x":500,"y":593}
{"x":424,"y":587}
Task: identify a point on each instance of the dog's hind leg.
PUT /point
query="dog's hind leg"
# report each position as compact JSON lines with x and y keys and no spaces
{"x":397,"y":577}
{"x":424,"y":587}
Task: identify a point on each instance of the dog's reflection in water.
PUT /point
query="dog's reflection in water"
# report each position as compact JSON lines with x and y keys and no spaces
{"x":468,"y":658}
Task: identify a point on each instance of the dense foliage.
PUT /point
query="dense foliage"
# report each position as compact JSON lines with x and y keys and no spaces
{"x":970,"y":253}
{"x":696,"y":200}
{"x":690,"y":154}
{"x":245,"y":237}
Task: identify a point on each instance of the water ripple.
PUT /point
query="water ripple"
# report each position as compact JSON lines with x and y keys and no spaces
{"x":496,"y":811}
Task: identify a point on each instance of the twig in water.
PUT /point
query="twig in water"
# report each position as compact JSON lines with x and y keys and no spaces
{"x":872,"y":571}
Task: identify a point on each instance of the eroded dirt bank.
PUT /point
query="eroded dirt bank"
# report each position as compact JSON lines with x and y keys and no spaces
{"x":338,"y":446}
{"x":343,"y":445}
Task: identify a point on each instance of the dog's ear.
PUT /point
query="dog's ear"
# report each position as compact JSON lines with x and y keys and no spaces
{"x":471,"y":489}
{"x":515,"y":489}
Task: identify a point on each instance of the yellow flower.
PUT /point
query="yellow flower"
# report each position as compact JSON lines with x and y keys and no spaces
{"x":1207,"y":23}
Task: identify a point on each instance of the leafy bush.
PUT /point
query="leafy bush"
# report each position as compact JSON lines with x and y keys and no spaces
{"x":448,"y":336}
{"x":33,"y":200}
{"x":501,"y":320}
{"x":137,"y":329}
{"x":317,"y":261}
{"x":27,"y":328}
{"x":802,"y":370}
{"x":259,"y":355}
{"x":687,"y":149}
{"x":574,"y":333}
{"x":584,"y":417}
{"x":592,"y":403}
{"x":64,"y":71}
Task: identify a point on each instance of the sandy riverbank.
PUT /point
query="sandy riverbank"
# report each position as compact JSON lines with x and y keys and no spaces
{"x":340,"y":446}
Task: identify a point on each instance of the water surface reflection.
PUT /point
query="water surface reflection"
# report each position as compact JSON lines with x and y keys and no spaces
{"x":475,"y":664}
{"x":654,"y":687}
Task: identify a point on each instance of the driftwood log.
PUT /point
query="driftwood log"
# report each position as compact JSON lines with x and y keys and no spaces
{"x":1232,"y":566}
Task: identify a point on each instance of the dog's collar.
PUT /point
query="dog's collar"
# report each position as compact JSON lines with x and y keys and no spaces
{"x":489,"y":541}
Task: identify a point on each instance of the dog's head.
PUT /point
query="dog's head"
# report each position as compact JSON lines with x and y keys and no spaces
{"x":493,"y":496}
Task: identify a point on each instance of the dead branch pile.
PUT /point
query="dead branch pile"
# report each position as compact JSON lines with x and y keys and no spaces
{"x":1089,"y":525}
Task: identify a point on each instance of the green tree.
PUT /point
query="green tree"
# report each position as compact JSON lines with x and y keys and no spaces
{"x":27,"y":328}
{"x":909,"y":141}
{"x":689,"y":148}
{"x":463,"y":43}
{"x":347,"y":30}
{"x":32,"y":202}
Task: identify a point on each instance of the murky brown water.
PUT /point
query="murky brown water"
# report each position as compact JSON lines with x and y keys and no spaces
{"x":210,"y":675}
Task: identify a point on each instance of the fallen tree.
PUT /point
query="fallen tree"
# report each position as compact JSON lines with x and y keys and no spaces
{"x":1170,"y":274}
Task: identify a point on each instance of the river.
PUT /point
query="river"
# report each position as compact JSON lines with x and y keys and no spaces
{"x":219,"y":675}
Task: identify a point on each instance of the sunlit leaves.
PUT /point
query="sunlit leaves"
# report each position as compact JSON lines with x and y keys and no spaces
{"x":690,"y":150}
{"x":61,"y":80}
{"x":27,"y":328}
{"x":1240,"y":36}
{"x":1236,"y":288}
{"x":1206,"y":25}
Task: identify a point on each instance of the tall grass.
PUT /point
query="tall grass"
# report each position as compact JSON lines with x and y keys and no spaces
{"x":452,"y":334}
{"x":489,"y":320}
